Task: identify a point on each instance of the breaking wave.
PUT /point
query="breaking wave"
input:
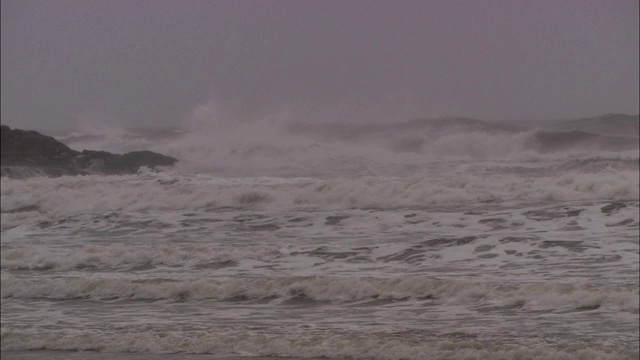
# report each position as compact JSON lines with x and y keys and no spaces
{"x":172,"y":191}
{"x":298,"y":149}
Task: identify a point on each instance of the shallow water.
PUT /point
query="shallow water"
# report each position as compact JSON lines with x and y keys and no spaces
{"x":86,"y":355}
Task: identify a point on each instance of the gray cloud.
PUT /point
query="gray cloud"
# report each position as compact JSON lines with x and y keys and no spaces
{"x":152,"y":62}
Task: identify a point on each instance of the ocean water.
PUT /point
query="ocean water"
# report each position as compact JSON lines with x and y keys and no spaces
{"x":424,"y":240}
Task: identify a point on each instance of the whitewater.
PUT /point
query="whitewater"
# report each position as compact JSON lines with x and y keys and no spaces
{"x":429,"y":239}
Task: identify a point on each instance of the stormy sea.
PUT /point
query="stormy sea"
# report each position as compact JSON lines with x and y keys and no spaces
{"x":428,"y":239}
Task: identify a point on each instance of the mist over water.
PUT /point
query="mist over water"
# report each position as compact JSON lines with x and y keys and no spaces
{"x":209,"y":142}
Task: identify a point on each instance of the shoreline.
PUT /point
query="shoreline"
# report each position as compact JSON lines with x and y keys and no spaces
{"x":96,"y":355}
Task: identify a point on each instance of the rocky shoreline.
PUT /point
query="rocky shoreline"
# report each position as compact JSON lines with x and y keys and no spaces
{"x":30,"y":153}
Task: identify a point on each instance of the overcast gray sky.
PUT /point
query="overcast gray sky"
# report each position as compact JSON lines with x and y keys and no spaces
{"x":152,"y":62}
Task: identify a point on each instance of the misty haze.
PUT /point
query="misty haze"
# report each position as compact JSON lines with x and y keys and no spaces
{"x":186,"y":180}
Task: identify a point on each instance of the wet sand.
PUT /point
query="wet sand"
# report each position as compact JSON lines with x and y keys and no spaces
{"x":91,"y":355}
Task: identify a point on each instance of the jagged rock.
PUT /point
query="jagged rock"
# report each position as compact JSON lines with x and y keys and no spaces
{"x":29,"y":153}
{"x":30,"y":148}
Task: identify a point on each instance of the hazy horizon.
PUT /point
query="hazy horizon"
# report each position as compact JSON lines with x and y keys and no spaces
{"x":69,"y":63}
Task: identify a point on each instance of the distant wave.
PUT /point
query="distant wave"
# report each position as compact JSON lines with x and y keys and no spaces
{"x":610,"y":124}
{"x":302,"y":149}
{"x":554,"y":141}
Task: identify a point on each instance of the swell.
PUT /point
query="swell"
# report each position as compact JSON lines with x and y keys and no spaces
{"x":550,"y":296}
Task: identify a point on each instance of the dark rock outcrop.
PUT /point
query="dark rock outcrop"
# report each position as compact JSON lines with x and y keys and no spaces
{"x":29,"y":153}
{"x":551,"y":141}
{"x":610,"y":124}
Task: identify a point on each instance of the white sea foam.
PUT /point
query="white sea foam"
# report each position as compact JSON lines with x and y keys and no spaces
{"x":89,"y":194}
{"x":450,"y":239}
{"x":127,"y":257}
